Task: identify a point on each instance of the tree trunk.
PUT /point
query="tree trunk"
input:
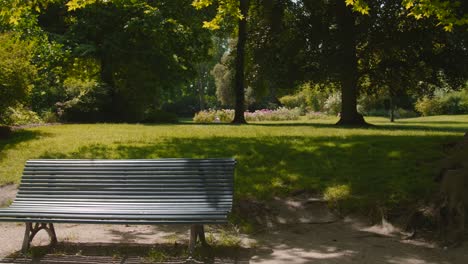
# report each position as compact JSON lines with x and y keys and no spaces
{"x":348,"y":66}
{"x":392,"y":110}
{"x":239,"y":64}
{"x":107,"y":79}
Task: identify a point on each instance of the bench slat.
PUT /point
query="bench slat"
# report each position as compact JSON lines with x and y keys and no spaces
{"x":124,"y":191}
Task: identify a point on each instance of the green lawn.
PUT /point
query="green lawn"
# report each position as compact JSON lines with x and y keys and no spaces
{"x":386,"y":165}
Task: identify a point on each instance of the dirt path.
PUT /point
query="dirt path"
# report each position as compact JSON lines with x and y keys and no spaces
{"x":340,"y":242}
{"x":337,"y":241}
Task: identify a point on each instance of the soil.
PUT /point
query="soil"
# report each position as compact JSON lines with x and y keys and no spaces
{"x":294,"y":235}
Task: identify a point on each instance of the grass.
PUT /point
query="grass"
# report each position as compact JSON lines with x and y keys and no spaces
{"x":387,"y":165}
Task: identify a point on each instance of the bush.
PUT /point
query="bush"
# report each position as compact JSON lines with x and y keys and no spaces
{"x":17,"y":73}
{"x":311,"y":97}
{"x":449,"y":103}
{"x":227,"y":115}
{"x":159,"y":116}
{"x":427,"y":106}
{"x":316,"y":115}
{"x":49,"y":117}
{"x":86,"y":101}
{"x":214,"y":116}
{"x":332,"y":105}
{"x":20,"y":115}
{"x":292,"y":101}
{"x":454,"y":103}
{"x":280,"y":114}
{"x":404,"y":113}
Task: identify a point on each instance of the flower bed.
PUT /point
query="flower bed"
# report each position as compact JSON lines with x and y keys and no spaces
{"x":226,"y":115}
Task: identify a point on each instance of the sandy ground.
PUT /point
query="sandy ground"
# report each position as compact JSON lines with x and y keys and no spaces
{"x":325,"y":241}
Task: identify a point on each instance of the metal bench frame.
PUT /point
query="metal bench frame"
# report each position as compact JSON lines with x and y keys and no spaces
{"x":54,"y":191}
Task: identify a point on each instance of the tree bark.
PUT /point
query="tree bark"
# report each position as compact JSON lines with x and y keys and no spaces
{"x":239,"y":64}
{"x":348,"y":66}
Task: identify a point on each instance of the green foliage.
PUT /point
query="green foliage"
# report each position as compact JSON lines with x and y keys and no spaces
{"x":280,"y":114}
{"x":17,"y":73}
{"x":317,"y":115}
{"x":309,"y":97}
{"x":227,"y":115}
{"x":159,"y":116}
{"x":20,"y":115}
{"x":226,"y":11}
{"x":444,"y":103}
{"x":427,"y":106}
{"x":214,"y":116}
{"x":84,"y":101}
{"x":404,"y":113}
{"x":156,"y":255}
{"x":445,"y":11}
{"x":336,"y":194}
{"x":332,"y":105}
{"x":223,"y":74}
{"x":49,"y":117}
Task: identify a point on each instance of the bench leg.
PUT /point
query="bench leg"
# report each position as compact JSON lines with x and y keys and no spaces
{"x":201,"y":234}
{"x":197,"y":233}
{"x":32,"y":230}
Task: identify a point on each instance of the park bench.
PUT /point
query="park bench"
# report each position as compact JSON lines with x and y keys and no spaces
{"x":137,"y":192}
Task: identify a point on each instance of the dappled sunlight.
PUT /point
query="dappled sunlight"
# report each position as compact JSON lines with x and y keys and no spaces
{"x":270,"y":165}
{"x":412,"y":260}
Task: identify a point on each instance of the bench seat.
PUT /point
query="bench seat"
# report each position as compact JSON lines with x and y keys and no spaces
{"x":163,"y":191}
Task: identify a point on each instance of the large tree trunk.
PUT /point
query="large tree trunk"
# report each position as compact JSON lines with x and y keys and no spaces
{"x":348,"y":66}
{"x":240,"y":53}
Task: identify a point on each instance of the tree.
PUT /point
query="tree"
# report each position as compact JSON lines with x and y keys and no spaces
{"x":17,"y":73}
{"x":145,"y":49}
{"x":327,"y":43}
{"x":228,"y":10}
{"x":224,"y":79}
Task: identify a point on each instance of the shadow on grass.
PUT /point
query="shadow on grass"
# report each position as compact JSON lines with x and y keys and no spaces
{"x":128,"y":253}
{"x":377,"y":169}
{"x":19,"y":136}
{"x":422,"y":126}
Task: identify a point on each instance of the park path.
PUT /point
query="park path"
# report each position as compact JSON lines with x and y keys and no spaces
{"x":307,"y":235}
{"x":339,"y":242}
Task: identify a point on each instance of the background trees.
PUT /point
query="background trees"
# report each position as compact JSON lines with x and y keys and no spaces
{"x":126,"y":60}
{"x":17,"y":73}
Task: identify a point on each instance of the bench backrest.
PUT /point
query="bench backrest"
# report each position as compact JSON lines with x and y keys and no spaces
{"x":201,"y":183}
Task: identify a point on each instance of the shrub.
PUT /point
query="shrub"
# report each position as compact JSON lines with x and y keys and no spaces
{"x":444,"y":103}
{"x":159,"y":116}
{"x":427,"y":106}
{"x":86,"y":100}
{"x":311,"y":97}
{"x":454,"y":103}
{"x":317,"y":115}
{"x":20,"y":115}
{"x":49,"y":117}
{"x":333,"y":104}
{"x":227,"y":115}
{"x":17,"y":73}
{"x":404,"y":113}
{"x":211,"y":116}
{"x":292,"y":101}
{"x":280,"y":114}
